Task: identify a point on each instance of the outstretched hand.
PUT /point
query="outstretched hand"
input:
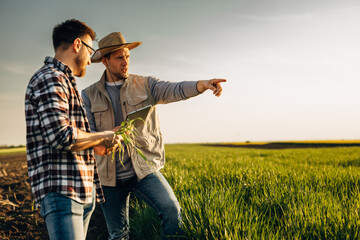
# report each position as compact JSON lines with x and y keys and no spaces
{"x":212,"y":84}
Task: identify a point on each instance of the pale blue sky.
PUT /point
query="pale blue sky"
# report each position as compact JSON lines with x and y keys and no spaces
{"x":292,"y":66}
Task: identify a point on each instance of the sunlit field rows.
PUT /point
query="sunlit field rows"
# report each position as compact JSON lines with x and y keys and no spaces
{"x":242,"y":193}
{"x":239,"y":193}
{"x":13,"y":150}
{"x":339,"y":141}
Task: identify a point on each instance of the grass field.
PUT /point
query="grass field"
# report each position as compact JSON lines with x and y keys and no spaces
{"x":240,"y":193}
{"x":232,"y":192}
{"x":13,"y":150}
{"x":304,"y":141}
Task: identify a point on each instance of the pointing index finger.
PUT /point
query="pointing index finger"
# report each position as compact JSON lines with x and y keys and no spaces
{"x":218,"y":80}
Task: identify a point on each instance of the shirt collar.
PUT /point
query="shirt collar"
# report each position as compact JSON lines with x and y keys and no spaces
{"x":117,"y":83}
{"x":60,"y":66}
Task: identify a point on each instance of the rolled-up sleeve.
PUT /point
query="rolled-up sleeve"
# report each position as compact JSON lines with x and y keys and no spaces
{"x":53,"y":111}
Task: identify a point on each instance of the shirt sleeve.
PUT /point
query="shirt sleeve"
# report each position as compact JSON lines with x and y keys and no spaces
{"x":53,"y":111}
{"x":166,"y":92}
{"x":89,"y":114}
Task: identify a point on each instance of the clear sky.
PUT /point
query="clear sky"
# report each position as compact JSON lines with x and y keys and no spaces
{"x":292,"y":66}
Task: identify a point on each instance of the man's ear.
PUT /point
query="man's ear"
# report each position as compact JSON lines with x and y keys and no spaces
{"x":104,"y":61}
{"x":77,"y":45}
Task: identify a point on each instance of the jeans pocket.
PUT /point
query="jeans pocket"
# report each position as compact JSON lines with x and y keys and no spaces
{"x":77,"y":208}
{"x":48,"y":205}
{"x":55,"y":202}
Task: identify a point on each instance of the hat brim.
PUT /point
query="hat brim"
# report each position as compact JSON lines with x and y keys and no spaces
{"x":101,"y":52}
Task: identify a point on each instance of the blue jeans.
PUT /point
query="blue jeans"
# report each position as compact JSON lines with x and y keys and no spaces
{"x":66,"y":218}
{"x":155,"y":191}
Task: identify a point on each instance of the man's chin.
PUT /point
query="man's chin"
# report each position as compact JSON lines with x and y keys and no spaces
{"x":122,"y":76}
{"x":80,"y":74}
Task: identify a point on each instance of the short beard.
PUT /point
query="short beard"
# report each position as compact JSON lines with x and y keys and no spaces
{"x":78,"y":62}
{"x":118,"y":76}
{"x":122,"y":77}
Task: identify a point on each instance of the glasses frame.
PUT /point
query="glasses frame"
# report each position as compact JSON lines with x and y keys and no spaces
{"x":92,"y":49}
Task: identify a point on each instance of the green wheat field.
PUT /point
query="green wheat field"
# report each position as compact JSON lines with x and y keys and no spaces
{"x":241,"y":193}
{"x":227,"y":191}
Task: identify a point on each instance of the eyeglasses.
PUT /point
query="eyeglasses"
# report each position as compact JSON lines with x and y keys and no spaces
{"x":92,"y":51}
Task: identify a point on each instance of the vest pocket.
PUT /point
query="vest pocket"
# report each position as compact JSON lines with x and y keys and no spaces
{"x":136,"y":100}
{"x":99,"y":110}
{"x":148,"y":142}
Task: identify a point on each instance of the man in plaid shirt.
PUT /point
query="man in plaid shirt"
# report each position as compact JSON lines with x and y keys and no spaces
{"x":62,"y":168}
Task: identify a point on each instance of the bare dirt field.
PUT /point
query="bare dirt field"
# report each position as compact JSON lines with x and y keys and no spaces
{"x":18,"y":218}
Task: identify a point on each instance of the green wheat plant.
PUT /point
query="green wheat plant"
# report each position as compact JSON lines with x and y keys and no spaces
{"x":128,"y":132}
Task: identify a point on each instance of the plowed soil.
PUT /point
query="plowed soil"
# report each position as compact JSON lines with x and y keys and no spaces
{"x":18,"y":217}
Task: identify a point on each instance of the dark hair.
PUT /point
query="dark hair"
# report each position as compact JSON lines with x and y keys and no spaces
{"x":66,"y":32}
{"x":107,"y":56}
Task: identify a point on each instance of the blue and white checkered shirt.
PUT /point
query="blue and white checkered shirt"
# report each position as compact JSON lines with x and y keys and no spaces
{"x":54,"y":111}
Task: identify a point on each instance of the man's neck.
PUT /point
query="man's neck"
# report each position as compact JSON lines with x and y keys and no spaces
{"x":65,"y":60}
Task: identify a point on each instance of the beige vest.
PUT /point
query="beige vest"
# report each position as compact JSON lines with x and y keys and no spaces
{"x":134,"y":94}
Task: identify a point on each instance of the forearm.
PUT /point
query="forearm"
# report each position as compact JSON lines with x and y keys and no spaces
{"x":166,"y":92}
{"x":87,"y":140}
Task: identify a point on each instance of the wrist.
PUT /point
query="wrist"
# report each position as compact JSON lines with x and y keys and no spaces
{"x":199,"y":86}
{"x":106,"y":135}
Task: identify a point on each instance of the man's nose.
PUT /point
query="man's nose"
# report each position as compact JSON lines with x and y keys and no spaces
{"x":125,"y":62}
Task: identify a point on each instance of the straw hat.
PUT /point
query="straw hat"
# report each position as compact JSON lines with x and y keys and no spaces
{"x":111,"y":43}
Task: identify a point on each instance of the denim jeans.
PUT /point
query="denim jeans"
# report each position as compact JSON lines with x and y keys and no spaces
{"x":66,"y":218}
{"x":155,"y":191}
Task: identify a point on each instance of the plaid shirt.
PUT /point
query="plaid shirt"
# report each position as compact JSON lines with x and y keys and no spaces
{"x":54,"y":111}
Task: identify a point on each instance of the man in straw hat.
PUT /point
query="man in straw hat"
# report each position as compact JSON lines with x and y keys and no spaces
{"x":108,"y":102}
{"x":62,"y":169}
